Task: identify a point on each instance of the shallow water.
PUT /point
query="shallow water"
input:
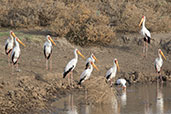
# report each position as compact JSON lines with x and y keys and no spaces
{"x":137,"y":99}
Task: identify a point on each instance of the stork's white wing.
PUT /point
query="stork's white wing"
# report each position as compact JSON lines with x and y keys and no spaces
{"x":109,"y":71}
{"x":70,"y":64}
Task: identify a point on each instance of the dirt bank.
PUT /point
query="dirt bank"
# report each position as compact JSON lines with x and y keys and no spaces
{"x":30,"y":89}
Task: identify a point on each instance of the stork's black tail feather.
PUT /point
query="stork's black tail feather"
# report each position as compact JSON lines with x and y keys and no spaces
{"x":65,"y":73}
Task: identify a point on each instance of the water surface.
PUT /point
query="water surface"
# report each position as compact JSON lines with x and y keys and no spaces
{"x":137,"y":99}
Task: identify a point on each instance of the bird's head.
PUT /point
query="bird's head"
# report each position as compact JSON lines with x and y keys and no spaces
{"x":160,"y":52}
{"x":94,"y":57}
{"x":124,"y":87}
{"x":78,"y":52}
{"x":49,"y":38}
{"x":17,"y":39}
{"x":117,"y":64}
{"x":94,"y":65}
{"x":142,"y":19}
{"x":12,"y":34}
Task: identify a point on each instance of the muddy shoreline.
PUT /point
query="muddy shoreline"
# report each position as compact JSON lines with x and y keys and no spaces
{"x":32,"y":88}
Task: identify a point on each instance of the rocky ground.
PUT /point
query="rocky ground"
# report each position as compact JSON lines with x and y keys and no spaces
{"x":30,"y":89}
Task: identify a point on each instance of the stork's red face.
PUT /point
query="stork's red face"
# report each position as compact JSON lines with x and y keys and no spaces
{"x":160,"y":51}
{"x":12,"y":33}
{"x":117,"y":64}
{"x":51,"y":40}
{"x":94,"y":57}
{"x":80,"y":54}
{"x":141,"y":21}
{"x":20,"y":41}
{"x":94,"y":65}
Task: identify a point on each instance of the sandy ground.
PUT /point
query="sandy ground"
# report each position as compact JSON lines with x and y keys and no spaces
{"x":30,"y":89}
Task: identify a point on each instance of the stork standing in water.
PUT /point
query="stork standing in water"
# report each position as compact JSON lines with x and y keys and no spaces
{"x":159,"y":63}
{"x":48,"y":50}
{"x":146,"y":34}
{"x":91,"y":58}
{"x":71,"y":65}
{"x":111,"y":73}
{"x":9,"y":45}
{"x":16,"y":52}
{"x":87,"y":72}
{"x":121,"y":82}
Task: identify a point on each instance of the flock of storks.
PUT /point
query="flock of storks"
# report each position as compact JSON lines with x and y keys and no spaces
{"x":13,"y":52}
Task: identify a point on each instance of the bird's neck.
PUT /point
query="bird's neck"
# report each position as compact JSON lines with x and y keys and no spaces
{"x":160,"y":57}
{"x":143,"y":24}
{"x":76,"y":55}
{"x":92,"y":59}
{"x":11,"y":37}
{"x":16,"y":43}
{"x":114,"y":64}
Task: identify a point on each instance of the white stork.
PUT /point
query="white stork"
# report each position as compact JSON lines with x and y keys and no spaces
{"x":48,"y":50}
{"x":71,"y":65}
{"x":121,"y":82}
{"x":9,"y":44}
{"x":146,"y":34}
{"x":159,"y":63}
{"x":111,"y":73}
{"x":91,"y":58}
{"x":87,"y":72}
{"x":16,"y":52}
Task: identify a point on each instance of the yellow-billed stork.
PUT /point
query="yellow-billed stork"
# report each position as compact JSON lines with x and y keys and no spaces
{"x":87,"y":72}
{"x":16,"y":52}
{"x":146,"y":34}
{"x":71,"y":65}
{"x":159,"y":63}
{"x":111,"y":73}
{"x":121,"y":82}
{"x":91,"y":58}
{"x":9,"y":44}
{"x":48,"y":50}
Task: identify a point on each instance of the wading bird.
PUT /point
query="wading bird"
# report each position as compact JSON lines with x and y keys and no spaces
{"x":48,"y":50}
{"x":91,"y":58}
{"x":159,"y":63}
{"x":121,"y":82}
{"x":146,"y":34}
{"x":71,"y":65}
{"x":111,"y":73}
{"x":87,"y":72}
{"x":16,"y":52}
{"x":9,"y":45}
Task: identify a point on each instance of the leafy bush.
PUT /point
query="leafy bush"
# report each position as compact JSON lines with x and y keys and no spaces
{"x":88,"y":21}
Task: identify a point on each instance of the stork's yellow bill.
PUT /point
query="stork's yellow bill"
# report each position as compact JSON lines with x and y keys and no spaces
{"x":162,"y":54}
{"x":20,"y":41}
{"x":51,"y":40}
{"x":80,"y":54}
{"x":118,"y":65}
{"x":141,"y":21}
{"x":95,"y":58}
{"x":94,"y":66}
{"x":12,"y":33}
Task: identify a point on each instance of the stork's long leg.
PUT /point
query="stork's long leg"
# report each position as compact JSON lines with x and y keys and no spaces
{"x":68,"y":79}
{"x":17,"y":66}
{"x":50,"y":63}
{"x":12,"y":69}
{"x":71,"y":79}
{"x":46,"y":64}
{"x":146,"y":48}
{"x":8,"y":59}
{"x":111,"y":83}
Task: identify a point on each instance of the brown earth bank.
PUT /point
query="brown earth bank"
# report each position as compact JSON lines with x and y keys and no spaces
{"x":30,"y":89}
